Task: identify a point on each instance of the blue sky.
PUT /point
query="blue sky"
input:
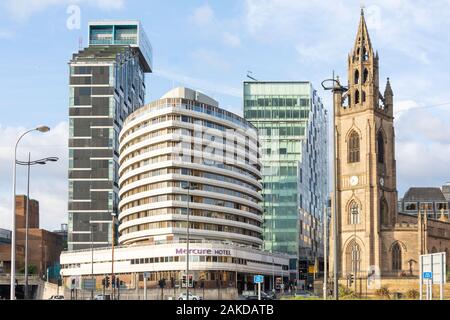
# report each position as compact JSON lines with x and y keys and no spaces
{"x":210,"y":46}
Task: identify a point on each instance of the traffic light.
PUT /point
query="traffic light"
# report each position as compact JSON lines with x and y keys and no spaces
{"x":162,"y":283}
{"x":107,"y":282}
{"x":190,"y":281}
{"x":202,"y":284}
{"x":117,"y":285}
{"x":103,"y":282}
{"x":351,"y":278}
{"x":113,"y":281}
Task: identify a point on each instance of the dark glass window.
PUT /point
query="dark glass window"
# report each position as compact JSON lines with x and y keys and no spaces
{"x":380,"y":143}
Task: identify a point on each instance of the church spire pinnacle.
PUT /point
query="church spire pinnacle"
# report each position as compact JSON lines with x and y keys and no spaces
{"x":363,"y":46}
{"x":388,"y":90}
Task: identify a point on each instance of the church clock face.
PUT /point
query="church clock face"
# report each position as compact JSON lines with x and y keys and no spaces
{"x":354,"y":181}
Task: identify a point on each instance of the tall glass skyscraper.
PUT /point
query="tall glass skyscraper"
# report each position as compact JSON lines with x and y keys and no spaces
{"x":107,"y":83}
{"x":292,"y":126}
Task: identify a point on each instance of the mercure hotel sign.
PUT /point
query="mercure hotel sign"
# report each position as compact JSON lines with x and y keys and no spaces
{"x":206,"y":252}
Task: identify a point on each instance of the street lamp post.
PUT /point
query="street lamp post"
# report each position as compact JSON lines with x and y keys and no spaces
{"x":42,"y":129}
{"x":355,"y":221}
{"x":336,"y":87}
{"x":91,"y":226}
{"x":29,"y":164}
{"x":188,"y":188}
{"x":113,"y":215}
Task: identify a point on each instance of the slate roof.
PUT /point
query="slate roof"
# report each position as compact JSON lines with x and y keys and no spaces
{"x":424,"y":194}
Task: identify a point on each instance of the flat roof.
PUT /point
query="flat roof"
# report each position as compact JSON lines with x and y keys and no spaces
{"x":107,"y":22}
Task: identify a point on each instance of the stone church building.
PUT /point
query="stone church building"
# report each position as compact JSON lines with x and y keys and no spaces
{"x":373,"y":237}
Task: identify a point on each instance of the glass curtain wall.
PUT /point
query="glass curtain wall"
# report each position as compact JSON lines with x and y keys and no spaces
{"x":280,"y":111}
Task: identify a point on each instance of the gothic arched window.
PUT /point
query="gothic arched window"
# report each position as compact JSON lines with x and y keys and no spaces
{"x":384,"y":212}
{"x":353,"y":147}
{"x":365,"y":75}
{"x":354,"y":213}
{"x":353,"y":255}
{"x":365,"y":55}
{"x":363,"y":96}
{"x":356,"y":76}
{"x":396,"y":257}
{"x":380,"y":142}
{"x":356,"y":96}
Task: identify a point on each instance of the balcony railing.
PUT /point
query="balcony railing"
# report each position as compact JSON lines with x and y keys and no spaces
{"x":162,"y":242}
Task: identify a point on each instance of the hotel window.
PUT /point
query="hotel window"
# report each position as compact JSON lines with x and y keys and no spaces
{"x":426,"y":206}
{"x":411,"y":206}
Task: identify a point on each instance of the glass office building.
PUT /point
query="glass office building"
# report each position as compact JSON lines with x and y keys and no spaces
{"x":291,"y":121}
{"x":107,"y":83}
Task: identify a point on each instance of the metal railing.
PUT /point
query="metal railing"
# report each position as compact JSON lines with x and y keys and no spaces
{"x":164,"y":242}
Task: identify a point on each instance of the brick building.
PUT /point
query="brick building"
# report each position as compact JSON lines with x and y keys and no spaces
{"x":44,"y":247}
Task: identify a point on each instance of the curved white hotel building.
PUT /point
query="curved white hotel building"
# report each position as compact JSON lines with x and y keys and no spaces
{"x":182,"y":158}
{"x":184,"y":140}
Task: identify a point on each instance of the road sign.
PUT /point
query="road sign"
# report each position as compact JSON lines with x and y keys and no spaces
{"x":75,"y":282}
{"x":146,"y":274}
{"x":434,"y":263}
{"x":433,"y":269}
{"x":258,"y":279}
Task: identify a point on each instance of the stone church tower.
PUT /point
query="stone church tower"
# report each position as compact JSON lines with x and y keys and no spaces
{"x":366,"y":167}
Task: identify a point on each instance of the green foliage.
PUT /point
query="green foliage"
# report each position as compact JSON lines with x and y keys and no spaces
{"x":412,"y":294}
{"x":383,"y":292}
{"x":32,"y":269}
{"x":346,"y":293}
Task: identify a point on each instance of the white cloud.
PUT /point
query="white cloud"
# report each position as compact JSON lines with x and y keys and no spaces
{"x":211,"y":58}
{"x":231,"y":40}
{"x":404,"y":26}
{"x":422,"y":164}
{"x":401,"y":107}
{"x":23,"y":9}
{"x":207,"y":23}
{"x":6,"y":34}
{"x":422,"y":146}
{"x":200,"y":84}
{"x":203,"y":16}
{"x":48,"y":183}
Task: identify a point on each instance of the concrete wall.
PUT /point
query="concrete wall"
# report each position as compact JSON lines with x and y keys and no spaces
{"x":394,"y":285}
{"x":48,"y":289}
{"x":155,"y":294}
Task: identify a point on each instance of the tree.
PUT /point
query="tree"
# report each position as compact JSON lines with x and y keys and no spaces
{"x":32,"y":269}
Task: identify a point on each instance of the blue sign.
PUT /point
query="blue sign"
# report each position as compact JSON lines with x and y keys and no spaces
{"x":428,"y":275}
{"x":258,"y":279}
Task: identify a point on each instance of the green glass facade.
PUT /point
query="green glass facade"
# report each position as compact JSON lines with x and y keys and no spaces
{"x":283,"y":113}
